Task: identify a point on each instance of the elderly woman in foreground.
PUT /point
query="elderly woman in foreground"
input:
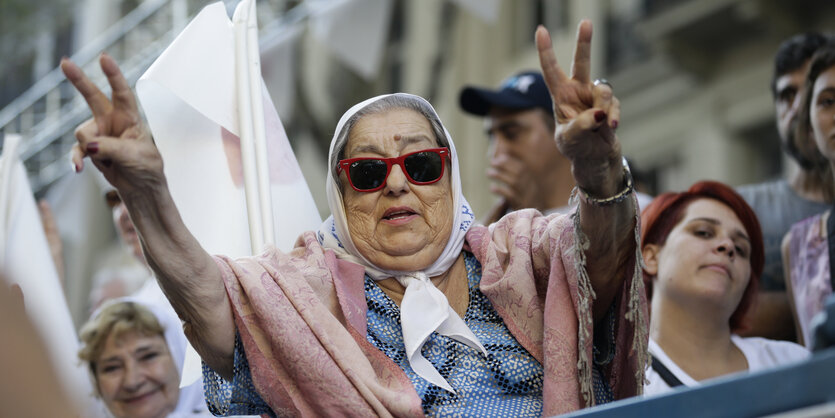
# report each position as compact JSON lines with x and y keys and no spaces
{"x":399,"y":305}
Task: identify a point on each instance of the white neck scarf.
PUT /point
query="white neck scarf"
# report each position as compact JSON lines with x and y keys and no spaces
{"x":424,"y":309}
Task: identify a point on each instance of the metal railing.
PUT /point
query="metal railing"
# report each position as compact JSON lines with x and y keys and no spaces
{"x":47,"y":113}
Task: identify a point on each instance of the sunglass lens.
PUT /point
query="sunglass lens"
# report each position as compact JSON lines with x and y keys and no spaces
{"x":424,"y":166}
{"x":367,"y":174}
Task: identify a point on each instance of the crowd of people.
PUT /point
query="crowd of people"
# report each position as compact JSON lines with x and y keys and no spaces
{"x":575,"y":290}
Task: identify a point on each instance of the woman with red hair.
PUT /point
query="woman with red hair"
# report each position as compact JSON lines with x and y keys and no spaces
{"x":703,"y":255}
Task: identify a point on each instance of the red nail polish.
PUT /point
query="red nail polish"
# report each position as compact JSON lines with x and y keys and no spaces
{"x":614,"y":124}
{"x":599,"y":116}
{"x":92,"y":148}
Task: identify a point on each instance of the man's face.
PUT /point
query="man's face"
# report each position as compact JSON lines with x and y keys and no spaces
{"x":787,"y":101}
{"x":522,"y":150}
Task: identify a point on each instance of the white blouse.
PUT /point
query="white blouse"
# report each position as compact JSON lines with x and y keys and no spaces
{"x":760,"y":353}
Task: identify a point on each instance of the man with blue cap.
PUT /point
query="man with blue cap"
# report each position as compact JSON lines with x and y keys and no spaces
{"x":526,"y":168}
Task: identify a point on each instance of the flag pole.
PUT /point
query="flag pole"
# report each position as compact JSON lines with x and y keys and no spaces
{"x":7,"y":159}
{"x":259,"y":130}
{"x":245,"y":128}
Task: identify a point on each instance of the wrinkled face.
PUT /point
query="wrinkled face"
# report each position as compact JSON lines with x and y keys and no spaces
{"x":137,"y":377}
{"x":822,"y":111}
{"x":521,"y":135}
{"x":403,"y":226}
{"x":789,"y":88}
{"x":706,"y":258}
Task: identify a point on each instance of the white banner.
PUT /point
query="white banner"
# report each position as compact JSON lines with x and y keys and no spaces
{"x":27,"y":262}
{"x":190,"y":100}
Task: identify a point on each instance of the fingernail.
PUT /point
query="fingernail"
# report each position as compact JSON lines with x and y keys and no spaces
{"x":74,"y":167}
{"x":92,"y":148}
{"x":614,"y":124}
{"x":599,"y":116}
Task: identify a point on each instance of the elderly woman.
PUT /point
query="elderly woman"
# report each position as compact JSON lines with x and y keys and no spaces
{"x":399,"y":305}
{"x":807,"y":248}
{"x":133,"y":352}
{"x":703,"y":255}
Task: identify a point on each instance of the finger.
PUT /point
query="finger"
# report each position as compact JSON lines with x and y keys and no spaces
{"x":614,"y":113}
{"x":92,"y":145}
{"x":97,"y":101}
{"x":602,"y":96}
{"x":581,"y":67}
{"x":123,"y":97}
{"x":551,"y":70}
{"x":77,"y":158}
{"x":85,"y":133}
{"x":107,"y":150}
{"x":591,"y":120}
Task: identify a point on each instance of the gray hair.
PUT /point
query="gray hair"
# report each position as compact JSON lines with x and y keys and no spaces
{"x":394,"y":101}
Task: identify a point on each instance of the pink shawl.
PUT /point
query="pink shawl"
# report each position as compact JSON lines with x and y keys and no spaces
{"x":302,"y":321}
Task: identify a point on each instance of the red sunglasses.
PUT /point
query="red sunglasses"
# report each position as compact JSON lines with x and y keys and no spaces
{"x":368,"y":174}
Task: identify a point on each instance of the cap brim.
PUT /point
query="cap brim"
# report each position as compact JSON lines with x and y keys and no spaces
{"x":478,"y":101}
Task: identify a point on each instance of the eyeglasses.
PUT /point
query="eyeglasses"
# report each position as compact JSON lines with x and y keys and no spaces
{"x":367,"y":174}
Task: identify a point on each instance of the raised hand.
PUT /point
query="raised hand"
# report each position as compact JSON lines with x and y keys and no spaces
{"x":586,"y":115}
{"x":116,"y":139}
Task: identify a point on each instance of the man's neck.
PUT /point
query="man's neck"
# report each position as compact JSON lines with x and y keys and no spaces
{"x":808,"y":185}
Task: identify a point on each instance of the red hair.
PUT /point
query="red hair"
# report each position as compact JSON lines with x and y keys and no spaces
{"x":665,"y":212}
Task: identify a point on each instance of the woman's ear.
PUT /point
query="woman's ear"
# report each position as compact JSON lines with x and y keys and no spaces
{"x":650,"y":253}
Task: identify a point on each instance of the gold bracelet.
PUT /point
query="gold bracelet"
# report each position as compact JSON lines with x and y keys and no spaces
{"x":620,"y":197}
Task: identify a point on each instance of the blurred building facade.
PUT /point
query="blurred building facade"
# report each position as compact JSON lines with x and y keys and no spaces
{"x":693,"y":78}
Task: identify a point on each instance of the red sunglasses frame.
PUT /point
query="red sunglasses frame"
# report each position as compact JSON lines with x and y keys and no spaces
{"x":344,"y":165}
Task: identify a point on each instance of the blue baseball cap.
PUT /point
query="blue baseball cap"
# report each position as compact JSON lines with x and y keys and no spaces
{"x":525,"y":90}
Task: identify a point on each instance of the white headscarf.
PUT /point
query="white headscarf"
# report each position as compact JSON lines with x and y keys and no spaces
{"x":424,"y":308}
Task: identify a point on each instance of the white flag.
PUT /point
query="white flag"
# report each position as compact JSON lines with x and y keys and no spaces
{"x":189,"y":98}
{"x":26,"y":261}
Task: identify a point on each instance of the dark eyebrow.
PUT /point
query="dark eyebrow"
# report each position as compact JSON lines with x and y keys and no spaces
{"x":738,"y":233}
{"x":369,"y":148}
{"x":827,"y":90}
{"x":148,"y":346}
{"x":490,"y":128}
{"x":109,"y":359}
{"x":787,"y":87}
{"x":404,"y":139}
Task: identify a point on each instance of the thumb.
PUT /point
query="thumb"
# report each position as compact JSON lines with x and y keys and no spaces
{"x":592,"y":120}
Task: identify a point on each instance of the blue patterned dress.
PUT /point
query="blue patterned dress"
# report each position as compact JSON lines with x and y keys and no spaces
{"x":508,"y":382}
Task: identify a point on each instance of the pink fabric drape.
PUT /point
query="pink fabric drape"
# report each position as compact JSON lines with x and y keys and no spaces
{"x":302,"y":321}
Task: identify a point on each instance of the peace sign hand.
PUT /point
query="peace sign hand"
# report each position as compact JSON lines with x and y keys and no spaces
{"x":116,"y":139}
{"x":586,"y":116}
